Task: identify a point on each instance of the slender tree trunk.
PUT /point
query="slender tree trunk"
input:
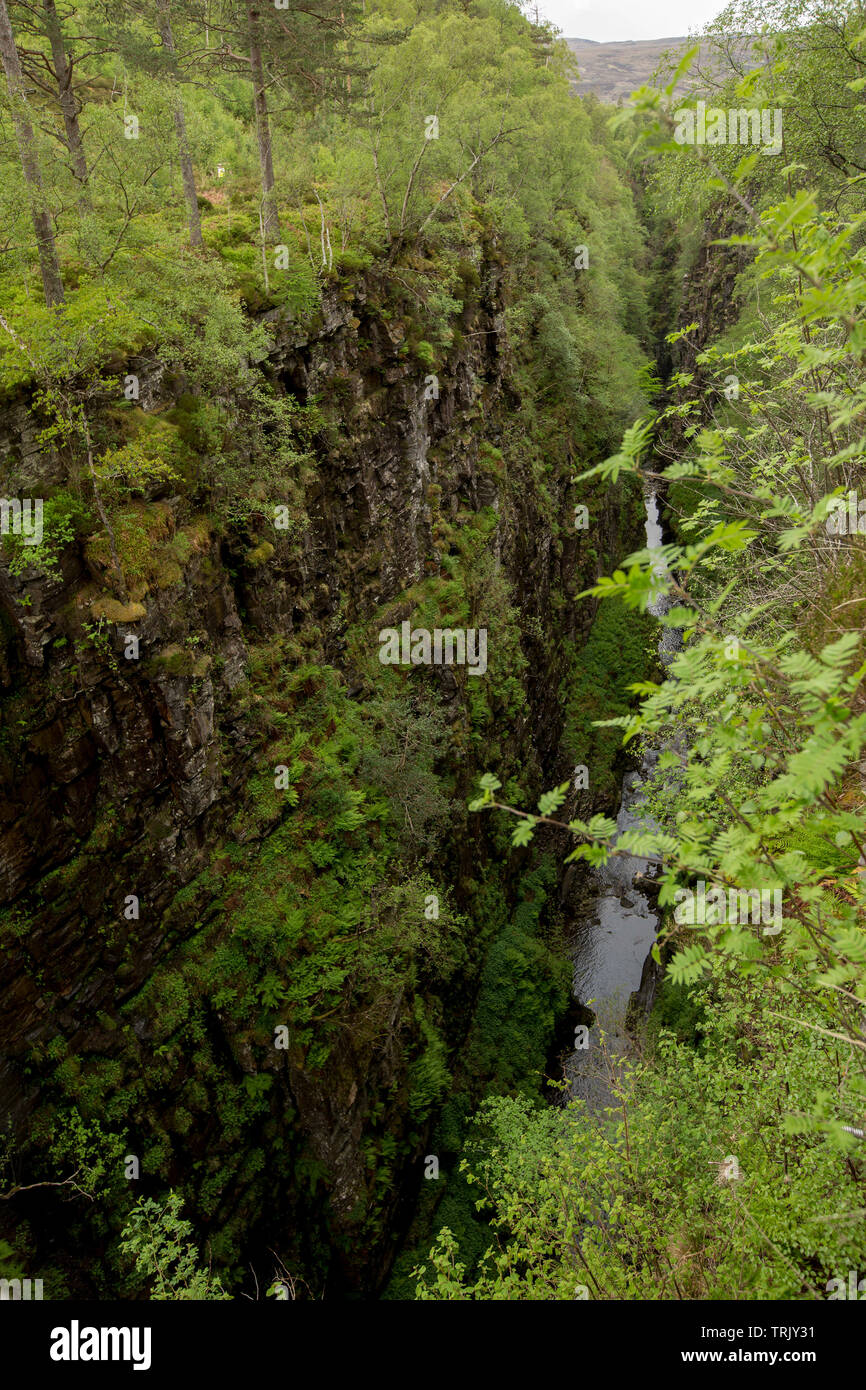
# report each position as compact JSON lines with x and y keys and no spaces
{"x":270,"y":219}
{"x":68,"y":104}
{"x":186,"y":169}
{"x":48,"y":263}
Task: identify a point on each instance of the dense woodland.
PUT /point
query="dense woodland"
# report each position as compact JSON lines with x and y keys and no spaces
{"x":314,"y":321}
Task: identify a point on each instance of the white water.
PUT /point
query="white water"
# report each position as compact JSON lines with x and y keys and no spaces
{"x":670,"y":640}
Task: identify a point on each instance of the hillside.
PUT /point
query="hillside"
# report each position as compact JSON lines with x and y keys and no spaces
{"x":612,"y":71}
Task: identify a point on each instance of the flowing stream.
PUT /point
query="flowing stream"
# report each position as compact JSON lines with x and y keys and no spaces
{"x":613,"y":938}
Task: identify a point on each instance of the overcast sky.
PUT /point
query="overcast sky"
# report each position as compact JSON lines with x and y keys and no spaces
{"x":629,"y":19}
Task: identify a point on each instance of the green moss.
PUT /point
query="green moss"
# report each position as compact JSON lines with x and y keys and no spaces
{"x":259,"y":555}
{"x":491,"y":460}
{"x":425,"y":353}
{"x":173,"y":660}
{"x":115,"y":612}
{"x":139,"y":528}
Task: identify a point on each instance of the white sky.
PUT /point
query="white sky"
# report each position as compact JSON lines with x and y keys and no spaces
{"x":629,"y":19}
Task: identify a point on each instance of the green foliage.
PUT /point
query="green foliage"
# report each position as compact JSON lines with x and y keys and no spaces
{"x":64,"y":519}
{"x":618,"y":652}
{"x":156,"y":1239}
{"x":695,"y":1187}
{"x":525,"y":987}
{"x":312,"y":912}
{"x":759,"y":725}
{"x":401,"y":763}
{"x":150,"y":460}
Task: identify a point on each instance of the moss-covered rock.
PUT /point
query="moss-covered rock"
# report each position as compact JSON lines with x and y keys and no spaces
{"x":116,"y":612}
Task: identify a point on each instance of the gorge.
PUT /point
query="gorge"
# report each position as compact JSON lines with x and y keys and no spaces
{"x":431,"y":582}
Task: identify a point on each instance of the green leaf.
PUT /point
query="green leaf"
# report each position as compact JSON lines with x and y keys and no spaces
{"x":549,"y":802}
{"x":523,"y":832}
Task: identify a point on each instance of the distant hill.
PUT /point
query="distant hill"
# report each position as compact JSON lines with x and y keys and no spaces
{"x":613,"y":70}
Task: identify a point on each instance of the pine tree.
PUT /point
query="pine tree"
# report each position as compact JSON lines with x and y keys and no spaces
{"x":48,"y":263}
{"x":186,"y":169}
{"x":53,"y":76}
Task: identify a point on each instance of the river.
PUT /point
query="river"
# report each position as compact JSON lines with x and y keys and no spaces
{"x":618,"y":922}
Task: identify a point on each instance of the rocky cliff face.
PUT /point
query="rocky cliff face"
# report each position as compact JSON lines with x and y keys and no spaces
{"x":122,"y":776}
